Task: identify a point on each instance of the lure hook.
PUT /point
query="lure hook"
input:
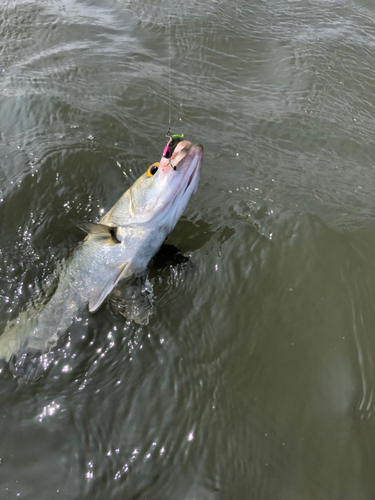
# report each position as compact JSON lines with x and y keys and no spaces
{"x":172,"y":143}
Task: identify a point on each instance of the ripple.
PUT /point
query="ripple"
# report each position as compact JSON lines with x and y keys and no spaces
{"x":254,"y":372}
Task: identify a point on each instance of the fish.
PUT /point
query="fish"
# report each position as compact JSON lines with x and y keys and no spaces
{"x":120,"y":245}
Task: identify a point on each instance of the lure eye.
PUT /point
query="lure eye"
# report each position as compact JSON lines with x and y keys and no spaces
{"x":152,"y":169}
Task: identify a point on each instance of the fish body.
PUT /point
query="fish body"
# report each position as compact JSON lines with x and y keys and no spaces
{"x":119,"y":246}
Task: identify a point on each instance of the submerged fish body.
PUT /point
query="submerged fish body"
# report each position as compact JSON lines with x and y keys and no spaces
{"x":119,"y":246}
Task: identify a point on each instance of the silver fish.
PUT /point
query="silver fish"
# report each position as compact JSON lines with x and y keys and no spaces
{"x":119,"y":246}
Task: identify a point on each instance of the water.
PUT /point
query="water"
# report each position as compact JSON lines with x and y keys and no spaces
{"x":254,"y":377}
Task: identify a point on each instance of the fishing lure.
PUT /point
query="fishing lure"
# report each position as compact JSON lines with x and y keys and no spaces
{"x":172,"y":143}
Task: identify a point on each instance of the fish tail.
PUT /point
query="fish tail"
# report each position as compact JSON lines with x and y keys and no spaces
{"x":26,"y":363}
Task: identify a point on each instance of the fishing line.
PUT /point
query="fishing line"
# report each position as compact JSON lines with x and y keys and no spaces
{"x":173,"y":139}
{"x":169,"y":133}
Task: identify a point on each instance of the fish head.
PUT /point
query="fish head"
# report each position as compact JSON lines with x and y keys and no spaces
{"x":160,"y":195}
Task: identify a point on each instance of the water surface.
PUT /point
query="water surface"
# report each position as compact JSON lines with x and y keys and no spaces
{"x":254,"y":377}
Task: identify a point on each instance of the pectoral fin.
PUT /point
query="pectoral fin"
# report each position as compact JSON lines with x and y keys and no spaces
{"x":98,"y":295}
{"x":106,"y":234}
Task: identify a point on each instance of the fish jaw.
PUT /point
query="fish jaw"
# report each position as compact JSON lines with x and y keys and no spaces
{"x":159,"y":201}
{"x":177,"y":180}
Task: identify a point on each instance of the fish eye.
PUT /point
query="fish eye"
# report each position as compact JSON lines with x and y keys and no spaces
{"x":152,"y":169}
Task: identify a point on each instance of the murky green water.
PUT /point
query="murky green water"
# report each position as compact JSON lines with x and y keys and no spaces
{"x":254,"y":378}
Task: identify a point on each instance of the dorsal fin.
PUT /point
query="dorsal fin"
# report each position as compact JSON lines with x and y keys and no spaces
{"x":107,"y":234}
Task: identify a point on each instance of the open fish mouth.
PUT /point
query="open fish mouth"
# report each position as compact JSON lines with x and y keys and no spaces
{"x":196,"y":168}
{"x":195,"y":174}
{"x":176,"y":181}
{"x":189,"y":163}
{"x":183,"y":156}
{"x":184,"y":171}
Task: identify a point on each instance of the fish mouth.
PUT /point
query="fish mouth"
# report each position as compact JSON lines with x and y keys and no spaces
{"x":181,"y":170}
{"x":191,"y":178}
{"x":176,"y":181}
{"x":192,"y":160}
